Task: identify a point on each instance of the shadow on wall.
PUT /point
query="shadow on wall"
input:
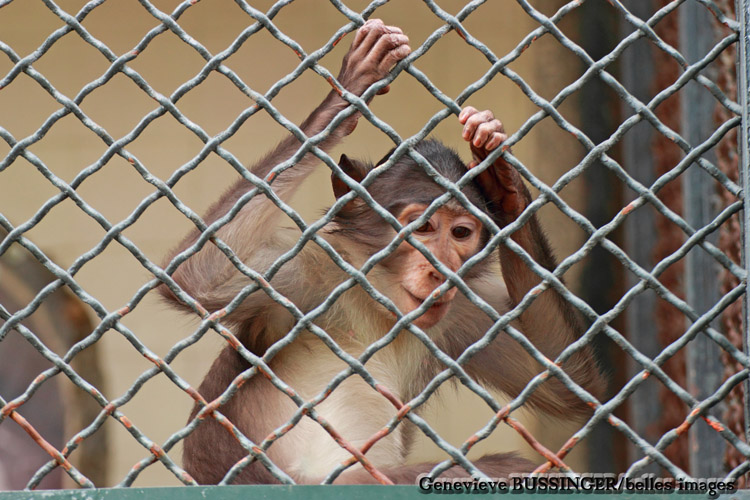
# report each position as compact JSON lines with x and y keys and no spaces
{"x":58,"y":409}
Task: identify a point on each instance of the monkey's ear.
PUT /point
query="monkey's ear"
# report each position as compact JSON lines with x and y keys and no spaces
{"x":354,"y":169}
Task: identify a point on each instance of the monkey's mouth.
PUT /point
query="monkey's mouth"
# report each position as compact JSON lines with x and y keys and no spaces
{"x":438,"y":307}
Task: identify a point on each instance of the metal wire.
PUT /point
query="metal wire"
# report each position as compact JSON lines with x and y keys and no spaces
{"x":694,"y":237}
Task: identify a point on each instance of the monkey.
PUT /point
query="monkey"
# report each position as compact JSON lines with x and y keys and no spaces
{"x":258,"y":236}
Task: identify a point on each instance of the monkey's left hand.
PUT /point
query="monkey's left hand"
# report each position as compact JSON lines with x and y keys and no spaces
{"x":500,"y":183}
{"x":374,"y":52}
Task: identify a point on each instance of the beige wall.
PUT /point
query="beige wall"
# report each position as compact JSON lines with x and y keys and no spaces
{"x":160,"y":408}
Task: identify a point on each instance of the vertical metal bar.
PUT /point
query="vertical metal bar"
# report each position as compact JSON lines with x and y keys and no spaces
{"x":601,"y":280}
{"x":743,"y":67}
{"x":644,"y":410}
{"x":704,"y":368}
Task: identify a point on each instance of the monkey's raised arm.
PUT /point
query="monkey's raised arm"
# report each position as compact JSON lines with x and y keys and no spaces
{"x":209,"y":276}
{"x":551,"y":322}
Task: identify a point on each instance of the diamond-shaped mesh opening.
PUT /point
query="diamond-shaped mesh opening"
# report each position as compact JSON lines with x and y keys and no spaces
{"x":116,"y":139}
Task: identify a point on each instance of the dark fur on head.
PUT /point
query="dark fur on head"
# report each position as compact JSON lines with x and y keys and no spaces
{"x":404,"y":183}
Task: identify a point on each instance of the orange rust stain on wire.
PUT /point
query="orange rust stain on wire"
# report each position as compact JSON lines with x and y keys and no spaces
{"x":217,"y":315}
{"x":335,"y":42}
{"x":504,"y":412}
{"x":374,"y":439}
{"x":125,"y":421}
{"x":201,"y":310}
{"x":264,"y":372}
{"x":389,"y":396}
{"x":714,"y":425}
{"x":195,"y":395}
{"x":403,"y":411}
{"x":629,"y":208}
{"x":232,"y":340}
{"x":44,"y":444}
{"x":374,"y":472}
{"x":541,"y":449}
{"x":684,"y":426}
{"x":569,"y":444}
{"x":335,"y":88}
{"x":474,"y":439}
{"x":229,"y":426}
{"x":156,"y":451}
{"x":545,"y":467}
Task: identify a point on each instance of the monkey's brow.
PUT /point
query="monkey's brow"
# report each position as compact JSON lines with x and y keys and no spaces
{"x":455,"y":208}
{"x":452,"y":206}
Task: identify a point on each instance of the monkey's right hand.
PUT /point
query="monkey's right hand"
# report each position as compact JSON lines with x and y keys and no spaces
{"x":374,"y":52}
{"x":500,"y":183}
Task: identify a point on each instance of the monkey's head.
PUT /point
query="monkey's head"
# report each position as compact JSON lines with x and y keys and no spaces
{"x":452,"y":234}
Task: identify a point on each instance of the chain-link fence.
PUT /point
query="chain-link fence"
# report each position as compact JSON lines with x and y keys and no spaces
{"x":633,"y":104}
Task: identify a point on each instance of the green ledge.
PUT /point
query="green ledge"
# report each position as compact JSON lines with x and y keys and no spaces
{"x":320,"y":493}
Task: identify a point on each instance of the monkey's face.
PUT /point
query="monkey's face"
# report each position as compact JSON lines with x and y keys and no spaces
{"x":452,"y":235}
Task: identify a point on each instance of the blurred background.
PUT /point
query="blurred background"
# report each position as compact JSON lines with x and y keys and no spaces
{"x":67,"y":147}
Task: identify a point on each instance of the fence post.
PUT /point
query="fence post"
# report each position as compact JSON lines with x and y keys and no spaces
{"x":704,"y":368}
{"x":742,"y":7}
{"x":644,"y":411}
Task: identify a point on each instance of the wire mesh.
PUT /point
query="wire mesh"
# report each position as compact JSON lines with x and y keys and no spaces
{"x":691,"y":153}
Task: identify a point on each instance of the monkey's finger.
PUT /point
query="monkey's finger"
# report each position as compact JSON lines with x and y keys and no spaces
{"x":495,"y":140}
{"x":483,"y":132}
{"x":384,"y":90}
{"x":365,"y":29}
{"x":393,"y":57}
{"x":385,"y":44}
{"x":367,"y":35}
{"x":473,"y":121}
{"x":466,"y":113}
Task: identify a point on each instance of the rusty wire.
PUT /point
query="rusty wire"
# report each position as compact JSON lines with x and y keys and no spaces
{"x":259,"y":283}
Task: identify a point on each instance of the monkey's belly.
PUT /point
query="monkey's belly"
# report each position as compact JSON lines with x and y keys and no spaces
{"x":354,"y":410}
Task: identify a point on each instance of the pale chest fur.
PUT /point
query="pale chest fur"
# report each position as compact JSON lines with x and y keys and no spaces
{"x":354,"y":409}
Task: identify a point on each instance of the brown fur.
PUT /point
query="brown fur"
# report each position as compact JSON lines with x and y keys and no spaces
{"x":355,"y":320}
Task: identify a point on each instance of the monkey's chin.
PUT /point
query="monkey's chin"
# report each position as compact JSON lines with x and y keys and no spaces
{"x":431,"y":316}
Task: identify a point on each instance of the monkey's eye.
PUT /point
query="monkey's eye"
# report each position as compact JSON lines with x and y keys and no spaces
{"x":425,"y":228}
{"x":461,"y":232}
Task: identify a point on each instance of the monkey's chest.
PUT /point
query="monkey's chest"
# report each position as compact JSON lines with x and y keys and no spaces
{"x":352,"y":408}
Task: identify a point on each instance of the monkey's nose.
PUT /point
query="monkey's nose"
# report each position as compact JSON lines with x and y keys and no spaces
{"x":437,"y":275}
